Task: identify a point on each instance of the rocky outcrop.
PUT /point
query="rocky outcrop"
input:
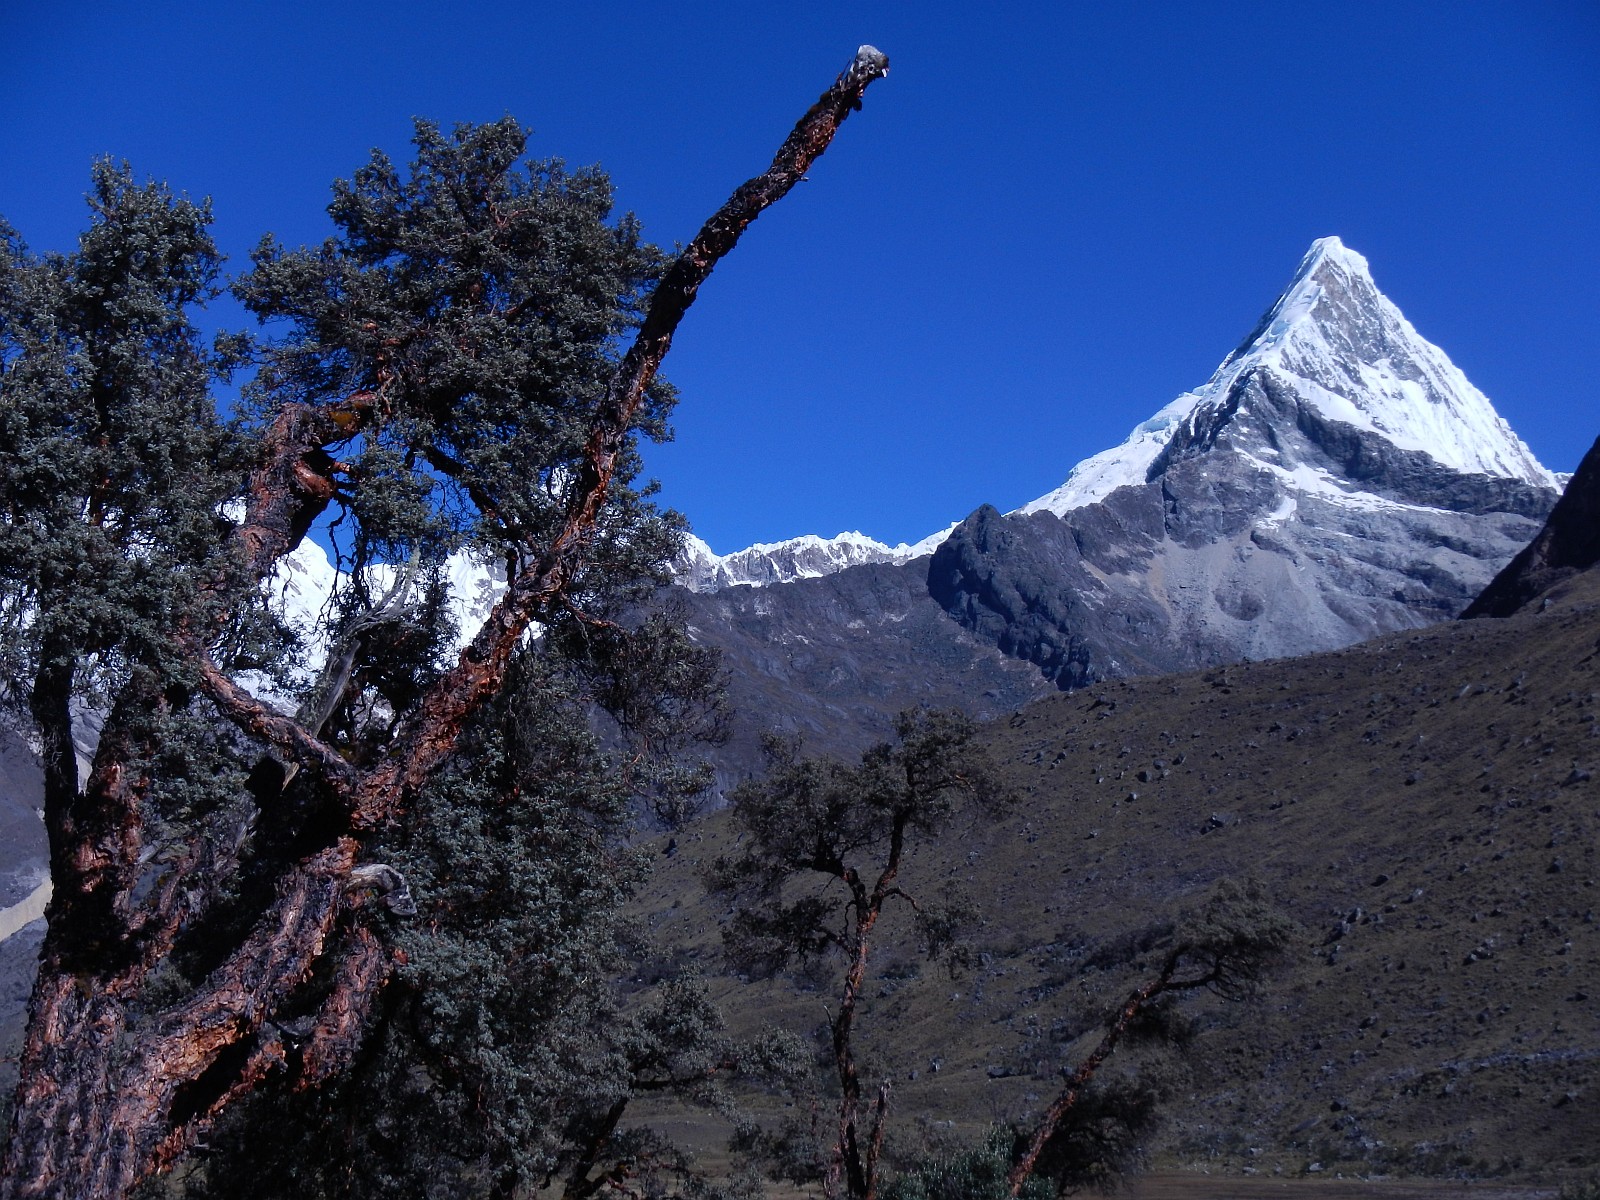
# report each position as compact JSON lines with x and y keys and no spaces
{"x":1568,"y":545}
{"x":1215,"y":561}
{"x":1336,"y":478}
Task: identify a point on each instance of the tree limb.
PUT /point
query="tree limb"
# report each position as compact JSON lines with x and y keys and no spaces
{"x":429,"y":735}
{"x":284,"y":734}
{"x":67,"y":1137}
{"x":1080,"y":1079}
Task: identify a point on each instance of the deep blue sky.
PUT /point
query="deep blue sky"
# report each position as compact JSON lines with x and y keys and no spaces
{"x":1050,"y":219}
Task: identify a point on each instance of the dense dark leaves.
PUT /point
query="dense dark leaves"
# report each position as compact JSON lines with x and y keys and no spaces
{"x":499,"y":1033}
{"x":114,"y":462}
{"x":472,"y":307}
{"x":454,"y":339}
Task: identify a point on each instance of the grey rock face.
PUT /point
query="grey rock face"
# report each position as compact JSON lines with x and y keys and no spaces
{"x":1568,"y":545}
{"x":1193,"y":570}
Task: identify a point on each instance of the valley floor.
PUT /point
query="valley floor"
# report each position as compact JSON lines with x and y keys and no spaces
{"x":1174,"y":1186}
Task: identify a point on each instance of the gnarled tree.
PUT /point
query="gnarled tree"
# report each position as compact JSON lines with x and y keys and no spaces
{"x":815,"y":821}
{"x":448,"y":375}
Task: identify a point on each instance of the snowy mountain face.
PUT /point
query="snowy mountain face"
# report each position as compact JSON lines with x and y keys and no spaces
{"x":1337,"y":477}
{"x":301,"y":591}
{"x":1334,"y":353}
{"x":1334,"y":394}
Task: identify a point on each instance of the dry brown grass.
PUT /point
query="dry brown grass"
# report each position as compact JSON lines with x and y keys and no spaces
{"x":1425,"y":805}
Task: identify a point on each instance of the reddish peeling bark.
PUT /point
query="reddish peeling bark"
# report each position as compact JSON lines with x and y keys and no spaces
{"x":429,"y":736}
{"x":294,"y":483}
{"x":107,"y":1097}
{"x":95,"y":841}
{"x":858,"y":1164}
{"x":336,"y":1032}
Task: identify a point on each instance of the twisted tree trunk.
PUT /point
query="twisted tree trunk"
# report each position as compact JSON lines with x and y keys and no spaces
{"x":111,"y":1092}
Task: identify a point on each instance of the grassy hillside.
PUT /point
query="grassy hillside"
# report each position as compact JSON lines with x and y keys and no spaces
{"x":1424,"y":805}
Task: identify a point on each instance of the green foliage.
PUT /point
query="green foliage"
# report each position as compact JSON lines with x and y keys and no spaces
{"x":503,"y":1044}
{"x":476,"y":303}
{"x":465,"y":318}
{"x":975,"y":1174}
{"x":1101,"y":1138}
{"x":114,"y":462}
{"x":1233,"y":938}
{"x":492,"y":1035}
{"x":467,"y":313}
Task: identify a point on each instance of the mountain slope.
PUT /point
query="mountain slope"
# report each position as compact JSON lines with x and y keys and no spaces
{"x":1569,"y":544}
{"x":833,"y":659}
{"x":1425,"y":806}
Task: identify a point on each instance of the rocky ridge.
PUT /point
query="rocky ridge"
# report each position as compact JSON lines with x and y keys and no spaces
{"x":701,"y":569}
{"x":1567,"y":546}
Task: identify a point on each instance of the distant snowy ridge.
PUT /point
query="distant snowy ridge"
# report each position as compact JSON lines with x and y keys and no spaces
{"x":1343,"y":349}
{"x":302,"y":588}
{"x":701,"y":569}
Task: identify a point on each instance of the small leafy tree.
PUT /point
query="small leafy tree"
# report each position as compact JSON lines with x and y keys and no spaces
{"x":1093,"y":1131}
{"x":849,"y":828}
{"x":1223,"y":948}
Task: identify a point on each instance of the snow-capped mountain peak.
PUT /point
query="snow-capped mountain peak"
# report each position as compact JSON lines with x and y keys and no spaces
{"x":1340,"y":352}
{"x":702,"y":569}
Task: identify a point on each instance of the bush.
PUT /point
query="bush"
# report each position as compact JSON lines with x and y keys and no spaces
{"x":976,"y":1174}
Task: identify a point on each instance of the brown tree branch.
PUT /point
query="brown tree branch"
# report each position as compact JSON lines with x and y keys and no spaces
{"x":428,"y":737}
{"x":1080,"y":1079}
{"x":340,"y":1022}
{"x":293,"y":484}
{"x":67,"y":1137}
{"x":265,"y":723}
{"x":880,"y":1122}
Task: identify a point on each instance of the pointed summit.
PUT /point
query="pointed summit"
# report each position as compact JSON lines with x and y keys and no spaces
{"x":1333,"y":362}
{"x":1328,"y":267}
